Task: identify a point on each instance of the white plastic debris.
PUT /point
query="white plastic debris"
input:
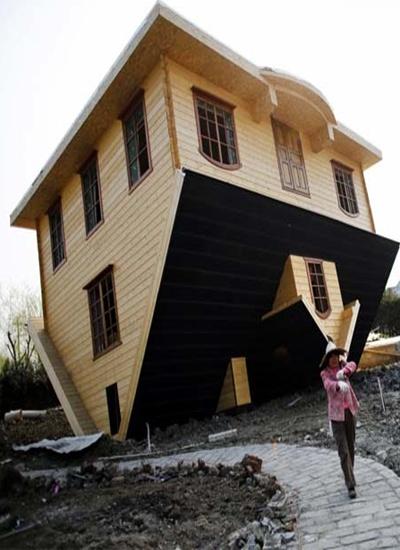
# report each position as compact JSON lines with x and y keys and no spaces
{"x":64,"y":445}
{"x":222,"y":435}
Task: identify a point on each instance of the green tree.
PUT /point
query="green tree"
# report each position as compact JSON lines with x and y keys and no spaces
{"x":17,"y":305}
{"x":23,"y":380}
{"x":388,"y":316}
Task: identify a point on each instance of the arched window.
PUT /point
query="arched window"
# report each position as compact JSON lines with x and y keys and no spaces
{"x":216,"y":130}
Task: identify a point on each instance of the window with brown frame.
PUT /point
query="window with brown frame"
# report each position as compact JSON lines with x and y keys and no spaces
{"x":345,"y":189}
{"x":91,"y":194}
{"x":56,"y":234}
{"x":319,"y":291}
{"x":136,"y":142}
{"x":290,"y":158}
{"x":216,"y":130}
{"x":103,"y":312}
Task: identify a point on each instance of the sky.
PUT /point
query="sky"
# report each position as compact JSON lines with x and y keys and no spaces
{"x":54,"y":54}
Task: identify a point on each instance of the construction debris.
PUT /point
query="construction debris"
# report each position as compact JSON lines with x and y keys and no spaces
{"x":64,"y":445}
{"x":222,"y":435}
{"x":20,"y":414}
{"x":252,"y":464}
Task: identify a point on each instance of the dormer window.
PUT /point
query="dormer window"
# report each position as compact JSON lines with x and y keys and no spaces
{"x":216,"y":130}
{"x":345,"y":189}
{"x":290,"y":158}
{"x":319,"y":290}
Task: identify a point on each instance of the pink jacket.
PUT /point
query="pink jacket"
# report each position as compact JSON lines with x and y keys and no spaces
{"x":338,"y":401}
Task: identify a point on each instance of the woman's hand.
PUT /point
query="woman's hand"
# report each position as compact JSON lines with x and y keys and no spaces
{"x":341,"y":375}
{"x":343,"y":386}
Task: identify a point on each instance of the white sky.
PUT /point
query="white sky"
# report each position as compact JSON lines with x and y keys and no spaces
{"x":54,"y":53}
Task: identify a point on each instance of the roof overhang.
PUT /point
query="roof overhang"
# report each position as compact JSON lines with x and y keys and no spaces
{"x":165,"y":32}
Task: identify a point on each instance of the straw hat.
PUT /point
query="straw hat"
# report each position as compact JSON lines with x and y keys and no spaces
{"x":331,"y":349}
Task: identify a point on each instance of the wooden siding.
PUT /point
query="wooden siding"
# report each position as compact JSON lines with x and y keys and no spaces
{"x":77,"y":415}
{"x":380,"y":352}
{"x":130,"y":239}
{"x":235,"y":390}
{"x":259,"y":166}
{"x":349,"y":319}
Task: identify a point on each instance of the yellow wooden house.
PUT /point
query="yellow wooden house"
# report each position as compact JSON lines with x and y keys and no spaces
{"x":202,"y":228}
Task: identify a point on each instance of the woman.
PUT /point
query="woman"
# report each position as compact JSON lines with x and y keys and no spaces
{"x":342,"y":408}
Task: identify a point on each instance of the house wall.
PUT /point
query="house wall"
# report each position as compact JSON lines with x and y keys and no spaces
{"x":259,"y":170}
{"x":130,"y":239}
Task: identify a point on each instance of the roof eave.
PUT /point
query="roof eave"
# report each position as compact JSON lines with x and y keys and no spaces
{"x":362,"y":150}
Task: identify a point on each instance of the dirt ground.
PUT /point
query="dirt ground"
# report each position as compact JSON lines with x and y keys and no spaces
{"x":197,"y":507}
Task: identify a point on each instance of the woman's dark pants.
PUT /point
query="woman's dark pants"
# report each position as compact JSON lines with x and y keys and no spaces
{"x":345,"y":435}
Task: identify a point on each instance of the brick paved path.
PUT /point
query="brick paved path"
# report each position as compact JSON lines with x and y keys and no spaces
{"x":329,"y":520}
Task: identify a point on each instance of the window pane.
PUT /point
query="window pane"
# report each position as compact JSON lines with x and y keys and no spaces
{"x":137,"y":143}
{"x":134,"y":171}
{"x":288,"y":146}
{"x":222,"y":134}
{"x":225,"y":154}
{"x":142,"y":138}
{"x":215,"y":122}
{"x":103,"y":313}
{"x":212,"y":130}
{"x":319,"y":290}
{"x":203,"y":127}
{"x":144,"y":162}
{"x":56,"y":235}
{"x":232,"y":156}
{"x":206,"y":147}
{"x":345,"y":189}
{"x":132,"y":148}
{"x":215,"y":151}
{"x":91,"y":195}
{"x":230,"y":138}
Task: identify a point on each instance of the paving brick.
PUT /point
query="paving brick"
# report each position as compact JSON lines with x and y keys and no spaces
{"x":350,"y":540}
{"x":391,"y":543}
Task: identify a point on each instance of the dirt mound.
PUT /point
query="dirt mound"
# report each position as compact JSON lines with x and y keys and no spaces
{"x":186,"y":507}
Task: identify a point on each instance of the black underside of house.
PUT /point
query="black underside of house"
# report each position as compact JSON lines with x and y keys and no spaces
{"x":226,"y":256}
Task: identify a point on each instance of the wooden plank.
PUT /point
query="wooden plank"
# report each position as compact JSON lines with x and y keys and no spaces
{"x":240,"y":381}
{"x":227,"y":398}
{"x":348,"y":323}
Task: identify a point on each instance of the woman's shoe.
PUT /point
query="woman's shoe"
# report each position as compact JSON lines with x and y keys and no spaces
{"x":352,"y":492}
